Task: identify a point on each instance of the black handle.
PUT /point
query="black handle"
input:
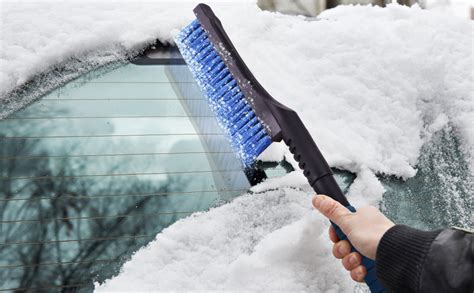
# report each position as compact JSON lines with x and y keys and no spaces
{"x":306,"y":153}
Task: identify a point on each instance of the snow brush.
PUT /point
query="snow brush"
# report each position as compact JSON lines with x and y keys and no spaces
{"x":250,"y":117}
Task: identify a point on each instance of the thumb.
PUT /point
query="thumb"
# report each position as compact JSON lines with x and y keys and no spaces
{"x":332,"y":210}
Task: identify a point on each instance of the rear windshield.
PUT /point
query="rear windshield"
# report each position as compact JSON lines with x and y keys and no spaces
{"x":93,"y":170}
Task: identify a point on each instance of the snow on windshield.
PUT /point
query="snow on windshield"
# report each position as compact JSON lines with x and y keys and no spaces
{"x":261,"y":242}
{"x":371,"y":84}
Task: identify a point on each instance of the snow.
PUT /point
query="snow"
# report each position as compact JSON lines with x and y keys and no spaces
{"x":75,"y":37}
{"x":260,"y":242}
{"x":371,"y":84}
{"x":368,"y":82}
{"x":386,"y":74}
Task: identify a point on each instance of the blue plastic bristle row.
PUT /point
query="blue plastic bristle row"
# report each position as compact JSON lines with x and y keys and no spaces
{"x":246,"y":133}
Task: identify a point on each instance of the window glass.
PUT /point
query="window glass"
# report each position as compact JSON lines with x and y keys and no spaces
{"x":95,"y":169}
{"x":440,"y":195}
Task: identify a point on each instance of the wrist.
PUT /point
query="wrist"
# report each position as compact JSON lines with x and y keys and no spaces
{"x":381,"y":231}
{"x":399,"y":253}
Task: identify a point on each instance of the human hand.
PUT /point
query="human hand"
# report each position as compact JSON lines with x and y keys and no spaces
{"x":364,"y":229}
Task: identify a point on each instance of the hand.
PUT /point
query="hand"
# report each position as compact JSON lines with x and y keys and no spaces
{"x":363,"y":228}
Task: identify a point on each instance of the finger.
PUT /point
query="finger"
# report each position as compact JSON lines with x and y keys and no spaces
{"x":332,"y":234}
{"x":332,"y":210}
{"x":358,"y":274}
{"x":352,"y":261}
{"x":341,"y":249}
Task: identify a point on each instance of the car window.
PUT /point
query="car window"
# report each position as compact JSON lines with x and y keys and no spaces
{"x":95,"y":169}
{"x":440,"y":194}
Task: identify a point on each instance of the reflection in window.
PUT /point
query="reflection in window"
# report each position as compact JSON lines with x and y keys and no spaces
{"x":95,"y":169}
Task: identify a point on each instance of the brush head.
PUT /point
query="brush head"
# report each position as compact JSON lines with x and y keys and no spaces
{"x":246,"y":131}
{"x":249,"y":114}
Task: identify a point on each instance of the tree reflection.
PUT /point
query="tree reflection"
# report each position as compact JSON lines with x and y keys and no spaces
{"x":61,"y":230}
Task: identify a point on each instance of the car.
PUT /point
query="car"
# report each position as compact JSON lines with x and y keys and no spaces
{"x":93,"y":170}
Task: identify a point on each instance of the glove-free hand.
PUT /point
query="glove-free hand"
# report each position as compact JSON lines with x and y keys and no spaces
{"x":364,"y":229}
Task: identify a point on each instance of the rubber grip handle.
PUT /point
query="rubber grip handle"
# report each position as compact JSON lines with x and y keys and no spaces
{"x":371,"y":277}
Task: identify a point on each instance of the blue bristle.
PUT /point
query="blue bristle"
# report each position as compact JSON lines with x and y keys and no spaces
{"x":247,"y":134}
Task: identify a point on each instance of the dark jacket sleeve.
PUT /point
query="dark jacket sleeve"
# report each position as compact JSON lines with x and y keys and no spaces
{"x":411,"y":260}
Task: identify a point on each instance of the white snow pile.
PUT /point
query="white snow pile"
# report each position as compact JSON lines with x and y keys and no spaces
{"x":263,"y":242}
{"x":371,"y":84}
{"x":67,"y":39}
{"x":39,"y":35}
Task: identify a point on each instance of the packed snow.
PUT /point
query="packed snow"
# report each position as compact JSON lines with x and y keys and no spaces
{"x":371,"y":84}
{"x":263,"y":242}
